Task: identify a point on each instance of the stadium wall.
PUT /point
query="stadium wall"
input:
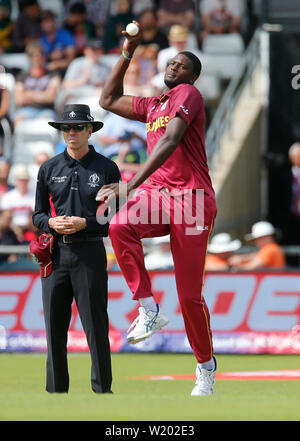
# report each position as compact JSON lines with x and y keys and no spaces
{"x":251,"y":312}
{"x":237,"y":214}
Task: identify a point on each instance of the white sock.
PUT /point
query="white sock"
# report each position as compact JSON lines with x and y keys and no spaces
{"x":148,"y":303}
{"x":208,"y":365}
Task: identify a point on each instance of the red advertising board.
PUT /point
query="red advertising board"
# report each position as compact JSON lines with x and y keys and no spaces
{"x":251,"y":312}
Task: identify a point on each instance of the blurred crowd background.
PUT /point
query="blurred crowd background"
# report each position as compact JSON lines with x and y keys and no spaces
{"x":61,"y":51}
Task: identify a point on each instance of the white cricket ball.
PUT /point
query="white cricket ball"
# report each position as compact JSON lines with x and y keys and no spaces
{"x":132,"y":29}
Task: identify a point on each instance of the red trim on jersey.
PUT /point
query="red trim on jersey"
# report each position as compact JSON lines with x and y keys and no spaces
{"x":53,"y":211}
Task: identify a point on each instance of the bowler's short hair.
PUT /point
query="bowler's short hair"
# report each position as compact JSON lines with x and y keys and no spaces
{"x":197,"y":66}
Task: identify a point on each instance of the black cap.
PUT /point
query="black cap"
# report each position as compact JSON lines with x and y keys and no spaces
{"x":76,"y":114}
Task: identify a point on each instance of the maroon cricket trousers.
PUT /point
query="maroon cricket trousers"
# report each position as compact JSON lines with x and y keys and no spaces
{"x":189,"y":220}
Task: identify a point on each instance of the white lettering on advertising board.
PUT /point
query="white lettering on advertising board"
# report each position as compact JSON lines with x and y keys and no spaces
{"x":276,"y":303}
{"x":241,"y":286}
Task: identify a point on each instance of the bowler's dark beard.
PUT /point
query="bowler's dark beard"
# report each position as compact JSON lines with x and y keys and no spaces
{"x":169,"y":84}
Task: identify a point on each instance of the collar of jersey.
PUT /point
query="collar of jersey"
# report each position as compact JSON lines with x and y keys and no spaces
{"x":84,"y":161}
{"x":161,"y":98}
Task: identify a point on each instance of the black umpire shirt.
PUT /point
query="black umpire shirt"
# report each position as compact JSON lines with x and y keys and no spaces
{"x":66,"y":186}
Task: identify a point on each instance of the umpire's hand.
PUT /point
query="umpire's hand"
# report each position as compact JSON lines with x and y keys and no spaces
{"x":67,"y":225}
{"x":111,"y":191}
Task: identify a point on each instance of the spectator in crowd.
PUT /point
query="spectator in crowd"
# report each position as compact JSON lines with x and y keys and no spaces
{"x":137,"y":6}
{"x":85,"y":75}
{"x":4,"y":174}
{"x":129,"y":161}
{"x":116,"y":24}
{"x":27,"y":27}
{"x":123,"y":141}
{"x":78,"y":25}
{"x":7,"y":236}
{"x":35,"y":91}
{"x":220,"y":250}
{"x":6,"y":26}
{"x":96,"y":13}
{"x":136,"y":80}
{"x":26,"y":235}
{"x":20,"y":200}
{"x":154,"y":40}
{"x":152,"y":35}
{"x":220,"y":17}
{"x":161,"y":257}
{"x":33,"y":168}
{"x":58,"y":44}
{"x":294,"y":156}
{"x":4,"y":112}
{"x":140,"y":5}
{"x":269,"y":254}
{"x":172,"y":12}
{"x":289,"y":219}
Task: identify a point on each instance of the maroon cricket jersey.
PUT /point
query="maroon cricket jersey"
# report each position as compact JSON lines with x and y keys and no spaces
{"x":187,"y":167}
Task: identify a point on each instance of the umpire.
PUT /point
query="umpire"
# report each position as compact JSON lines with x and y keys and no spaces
{"x":66,"y":207}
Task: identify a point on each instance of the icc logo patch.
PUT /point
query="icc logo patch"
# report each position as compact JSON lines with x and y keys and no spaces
{"x":94,"y":180}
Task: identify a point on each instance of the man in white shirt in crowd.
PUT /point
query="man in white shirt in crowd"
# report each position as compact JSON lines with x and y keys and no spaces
{"x":20,"y":200}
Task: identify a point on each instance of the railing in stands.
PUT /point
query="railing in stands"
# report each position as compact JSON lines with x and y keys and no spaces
{"x":291,"y":250}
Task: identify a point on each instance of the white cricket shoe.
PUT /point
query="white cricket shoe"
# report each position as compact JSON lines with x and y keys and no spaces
{"x":146,"y":324}
{"x":205,"y":381}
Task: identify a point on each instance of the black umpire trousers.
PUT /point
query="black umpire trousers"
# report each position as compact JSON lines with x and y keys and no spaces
{"x":79,"y":272}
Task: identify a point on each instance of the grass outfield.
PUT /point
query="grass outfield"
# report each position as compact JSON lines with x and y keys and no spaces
{"x":22,"y":395}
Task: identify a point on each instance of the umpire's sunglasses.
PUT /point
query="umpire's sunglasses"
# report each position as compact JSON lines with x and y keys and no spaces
{"x":76,"y":127}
